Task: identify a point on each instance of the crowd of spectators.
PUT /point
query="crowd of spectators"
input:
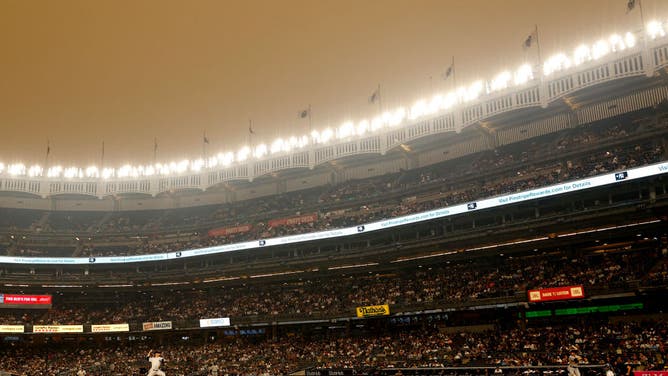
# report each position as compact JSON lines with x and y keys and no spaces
{"x":426,"y":287}
{"x":522,"y":167}
{"x":625,"y":346}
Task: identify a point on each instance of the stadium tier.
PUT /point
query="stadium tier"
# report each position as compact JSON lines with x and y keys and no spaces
{"x":507,"y":233}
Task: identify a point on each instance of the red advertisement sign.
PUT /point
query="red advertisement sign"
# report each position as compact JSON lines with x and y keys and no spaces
{"x":26,"y":299}
{"x":556,"y":293}
{"x":224,"y":231}
{"x":306,"y":218}
{"x":650,"y":373}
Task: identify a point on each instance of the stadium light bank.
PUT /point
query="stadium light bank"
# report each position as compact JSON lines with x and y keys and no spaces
{"x":524,"y":74}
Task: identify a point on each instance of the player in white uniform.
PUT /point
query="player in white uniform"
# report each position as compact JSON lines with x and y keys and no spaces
{"x":574,"y":361}
{"x":156,"y":362}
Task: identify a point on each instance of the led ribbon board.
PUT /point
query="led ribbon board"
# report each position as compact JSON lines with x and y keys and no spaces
{"x":488,"y":203}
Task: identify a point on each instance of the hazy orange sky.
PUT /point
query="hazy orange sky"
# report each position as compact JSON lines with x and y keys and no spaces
{"x":80,"y":72}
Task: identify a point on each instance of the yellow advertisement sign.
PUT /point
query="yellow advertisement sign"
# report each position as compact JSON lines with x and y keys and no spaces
{"x":376,"y":310}
{"x":106,"y":328}
{"x":11,"y":328}
{"x":57,"y":329}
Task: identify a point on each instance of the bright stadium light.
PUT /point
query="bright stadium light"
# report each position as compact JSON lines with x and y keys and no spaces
{"x":500,"y":82}
{"x":34,"y":171}
{"x":376,"y":123}
{"x":418,"y":109}
{"x":556,"y":63}
{"x":600,"y":49}
{"x":243,"y":153}
{"x":16,"y":169}
{"x":124,"y":171}
{"x":523,"y":74}
{"x":346,"y":130}
{"x":2,"y":167}
{"x":108,"y":173}
{"x":197,"y":165}
{"x":54,"y":171}
{"x":655,"y":30}
{"x":276,"y":146}
{"x":226,"y":159}
{"x":212,"y":162}
{"x":616,"y":43}
{"x":181,"y":167}
{"x":474,"y":91}
{"x":630,"y":40}
{"x":397,"y":117}
{"x":315,"y":136}
{"x":260,"y":151}
{"x":362,"y":127}
{"x":449,"y":101}
{"x":326,"y":135}
{"x":71,"y":172}
{"x":147,"y":170}
{"x":581,"y":54}
{"x":435,"y":104}
{"x":92,"y":172}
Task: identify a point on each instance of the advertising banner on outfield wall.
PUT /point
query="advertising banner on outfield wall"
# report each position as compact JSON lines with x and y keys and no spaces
{"x":209,"y":323}
{"x":12,"y":328}
{"x":109,"y":328}
{"x":159,"y":325}
{"x":224,"y":231}
{"x":25,"y":301}
{"x":376,"y":310}
{"x":306,"y":218}
{"x":650,"y":373}
{"x":556,"y":293}
{"x":57,"y":329}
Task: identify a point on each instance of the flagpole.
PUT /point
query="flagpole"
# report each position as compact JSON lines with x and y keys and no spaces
{"x":380,"y":100}
{"x":102,"y":156}
{"x":204,"y":140}
{"x":540,"y":59}
{"x":310,"y":124}
{"x":454,"y":73}
{"x":155,"y":150}
{"x":48,"y":151}
{"x":250,"y":133}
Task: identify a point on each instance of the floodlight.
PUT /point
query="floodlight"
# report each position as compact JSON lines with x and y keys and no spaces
{"x":376,"y":123}
{"x":616,"y":43}
{"x":107,"y":173}
{"x":500,"y":82}
{"x":362,"y":127}
{"x":418,"y":109}
{"x":54,"y":171}
{"x":600,"y":49}
{"x":581,"y":55}
{"x":523,"y":74}
{"x":35,"y":170}
{"x":260,"y":151}
{"x":16,"y":169}
{"x":630,"y":40}
{"x":345,"y":130}
{"x":655,"y":30}
{"x":326,"y":135}
{"x":276,"y":146}
{"x":474,"y":90}
{"x":243,"y":153}
{"x":556,"y":63}
{"x":92,"y":172}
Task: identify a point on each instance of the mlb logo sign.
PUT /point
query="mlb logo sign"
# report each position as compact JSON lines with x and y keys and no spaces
{"x":360,"y":228}
{"x":621,"y":175}
{"x":2,"y":298}
{"x":471,"y":205}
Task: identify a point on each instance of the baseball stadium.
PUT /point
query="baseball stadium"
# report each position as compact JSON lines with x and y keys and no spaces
{"x":512,"y":225}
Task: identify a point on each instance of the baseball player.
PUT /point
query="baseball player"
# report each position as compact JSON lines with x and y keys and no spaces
{"x":156,"y":362}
